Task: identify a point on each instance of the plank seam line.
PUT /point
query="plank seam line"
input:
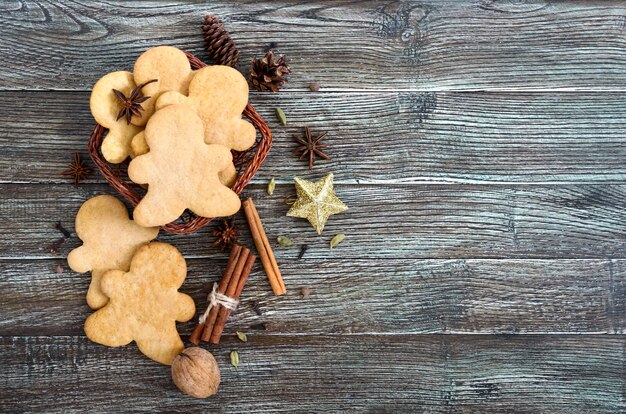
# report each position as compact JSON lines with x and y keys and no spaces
{"x":599,"y":334}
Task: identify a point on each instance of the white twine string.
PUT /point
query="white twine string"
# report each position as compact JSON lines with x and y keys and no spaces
{"x":217,"y":298}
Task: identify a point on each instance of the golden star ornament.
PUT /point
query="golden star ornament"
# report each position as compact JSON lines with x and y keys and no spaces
{"x":316,"y":202}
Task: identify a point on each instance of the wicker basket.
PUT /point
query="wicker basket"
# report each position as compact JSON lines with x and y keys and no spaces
{"x":246,"y":162}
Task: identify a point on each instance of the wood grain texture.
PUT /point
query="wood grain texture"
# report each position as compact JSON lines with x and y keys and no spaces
{"x":430,"y":44}
{"x":374,"y":374}
{"x":359,"y":296}
{"x":396,"y":222}
{"x":374,"y":137}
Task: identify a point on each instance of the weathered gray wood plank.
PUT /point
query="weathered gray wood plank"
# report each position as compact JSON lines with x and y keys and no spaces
{"x":359,"y":296}
{"x":431,"y":44}
{"x":328,"y":374}
{"x":401,"y":222}
{"x":375,"y":138}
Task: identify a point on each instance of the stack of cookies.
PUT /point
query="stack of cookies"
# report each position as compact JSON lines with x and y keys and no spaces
{"x":179,"y":127}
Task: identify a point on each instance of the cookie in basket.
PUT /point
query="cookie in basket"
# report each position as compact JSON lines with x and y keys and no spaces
{"x":219,"y":95}
{"x":181,"y":170}
{"x":145,"y":304}
{"x":172,"y":71}
{"x":105,"y":107}
{"x":110,"y":239}
{"x":139,"y":146}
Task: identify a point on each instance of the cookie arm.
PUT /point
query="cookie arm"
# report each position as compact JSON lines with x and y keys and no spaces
{"x":186,"y":308}
{"x":107,"y":327}
{"x":77,"y":260}
{"x":138,"y":169}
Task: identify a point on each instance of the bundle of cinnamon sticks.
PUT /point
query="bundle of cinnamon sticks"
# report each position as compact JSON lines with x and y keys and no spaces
{"x":231,"y":285}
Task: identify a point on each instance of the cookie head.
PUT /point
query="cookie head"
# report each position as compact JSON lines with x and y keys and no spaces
{"x":110,"y":239}
{"x":181,"y":170}
{"x":145,"y":304}
{"x":105,"y":107}
{"x":218,"y":95}
{"x":172,"y":71}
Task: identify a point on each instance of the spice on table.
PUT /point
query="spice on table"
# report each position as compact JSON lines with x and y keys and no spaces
{"x":268,"y":73}
{"x":226,"y":234}
{"x":263,"y":248}
{"x":78,"y":169}
{"x":314,"y":87}
{"x":59,"y":269}
{"x":219,"y":45}
{"x":195,"y":372}
{"x":281,"y":116}
{"x":259,"y":326}
{"x":63,"y":230}
{"x":238,"y":282}
{"x":271,"y":186}
{"x":131,"y":104}
{"x":316,"y":202}
{"x":303,"y":250}
{"x":54,"y":248}
{"x":224,"y":296}
{"x":256,"y":307}
{"x":242,"y":336}
{"x":284,"y":241}
{"x":311,"y":147}
{"x":337,"y":239}
{"x":234,"y":358}
{"x":235,"y":252}
{"x":305,"y":292}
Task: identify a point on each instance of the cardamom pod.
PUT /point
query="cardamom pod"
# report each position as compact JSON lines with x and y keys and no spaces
{"x":284,"y":241}
{"x":242,"y":336}
{"x":234,"y":358}
{"x":271,"y":186}
{"x":281,"y":116}
{"x":337,"y":239}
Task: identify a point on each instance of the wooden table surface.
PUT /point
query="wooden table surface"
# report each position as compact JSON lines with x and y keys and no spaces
{"x":480,"y":145}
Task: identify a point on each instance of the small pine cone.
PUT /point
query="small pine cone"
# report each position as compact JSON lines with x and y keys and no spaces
{"x":219,"y":45}
{"x":268,"y":74}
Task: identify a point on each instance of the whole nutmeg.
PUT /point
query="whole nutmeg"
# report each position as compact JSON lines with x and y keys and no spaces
{"x":195,"y":372}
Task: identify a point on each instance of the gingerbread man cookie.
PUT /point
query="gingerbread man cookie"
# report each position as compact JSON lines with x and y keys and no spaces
{"x":105,"y":107}
{"x":139,"y":146}
{"x":172,"y":71}
{"x":110,"y":238}
{"x":145,"y":304}
{"x":219,"y":95}
{"x":181,"y":170}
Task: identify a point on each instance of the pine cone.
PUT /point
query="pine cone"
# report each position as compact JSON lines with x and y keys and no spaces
{"x":267,"y":74}
{"x":219,"y":45}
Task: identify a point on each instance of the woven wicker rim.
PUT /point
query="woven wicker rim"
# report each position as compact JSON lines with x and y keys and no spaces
{"x":247,"y":163}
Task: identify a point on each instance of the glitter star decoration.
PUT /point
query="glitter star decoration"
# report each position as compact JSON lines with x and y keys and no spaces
{"x":316,"y":202}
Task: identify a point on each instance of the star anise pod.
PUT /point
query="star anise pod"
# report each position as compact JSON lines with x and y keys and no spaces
{"x":311,"y":147}
{"x":227,"y":234}
{"x":77,"y":169}
{"x":131,"y":105}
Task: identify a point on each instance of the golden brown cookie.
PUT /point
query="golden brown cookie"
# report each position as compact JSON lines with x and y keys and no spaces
{"x":110,"y":238}
{"x":181,"y":170}
{"x":105,"y":107}
{"x":218,"y":94}
{"x":139,"y":146}
{"x":170,"y":67}
{"x":145,"y":304}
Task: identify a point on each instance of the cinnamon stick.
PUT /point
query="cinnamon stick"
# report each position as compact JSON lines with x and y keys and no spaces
{"x":233,"y":257}
{"x":230,"y":291}
{"x":225,"y":313}
{"x":264,"y":249}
